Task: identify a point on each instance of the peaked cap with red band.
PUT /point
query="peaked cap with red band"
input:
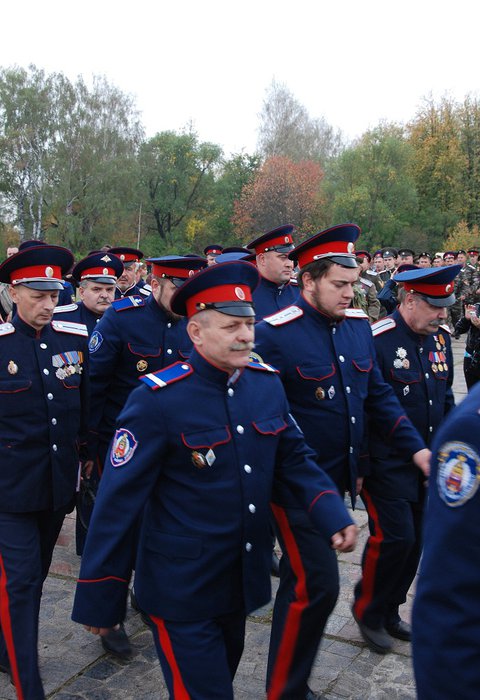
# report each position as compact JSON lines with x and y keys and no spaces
{"x":279,"y":240}
{"x":177,"y":266}
{"x":336,"y":243}
{"x":435,"y":284}
{"x":213,"y":249}
{"x":38,"y":267}
{"x":226,"y":287}
{"x":127,"y":255}
{"x":98,"y":267}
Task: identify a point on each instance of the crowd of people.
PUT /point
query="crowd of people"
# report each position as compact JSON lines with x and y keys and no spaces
{"x":217,"y":404}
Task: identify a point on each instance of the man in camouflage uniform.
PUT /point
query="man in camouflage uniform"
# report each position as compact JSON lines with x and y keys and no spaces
{"x":466,"y":284}
{"x":365,"y":294}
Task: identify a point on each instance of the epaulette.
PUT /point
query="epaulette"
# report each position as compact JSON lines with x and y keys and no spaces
{"x":258,"y":364}
{"x":146,"y":290}
{"x":70,"y":327}
{"x":385,"y":324}
{"x":64,"y":308}
{"x":355,"y":313}
{"x":6,"y":328}
{"x":369,"y":283}
{"x":167,"y":375}
{"x":371,"y":272}
{"x":294,"y":282}
{"x":445,"y":328}
{"x":128,"y":303}
{"x":289,"y":313}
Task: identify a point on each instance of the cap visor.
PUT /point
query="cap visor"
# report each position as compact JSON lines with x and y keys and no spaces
{"x":239,"y":308}
{"x":440,"y":301}
{"x":44,"y":286}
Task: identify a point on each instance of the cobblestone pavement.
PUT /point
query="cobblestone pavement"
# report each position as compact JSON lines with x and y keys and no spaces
{"x":74,"y":666}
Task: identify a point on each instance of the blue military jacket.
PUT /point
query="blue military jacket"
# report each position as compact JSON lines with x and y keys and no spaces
{"x":419,"y":368}
{"x":43,"y":411}
{"x":203,"y":453}
{"x":446,"y":613}
{"x":270,"y":297}
{"x":331,"y":377}
{"x":135,"y":336}
{"x":142,"y":290}
{"x":78,"y":312}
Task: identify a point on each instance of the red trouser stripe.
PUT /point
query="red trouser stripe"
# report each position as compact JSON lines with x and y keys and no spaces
{"x":288,"y":641}
{"x":179,"y":690}
{"x":372,"y":554}
{"x":6,"y":624}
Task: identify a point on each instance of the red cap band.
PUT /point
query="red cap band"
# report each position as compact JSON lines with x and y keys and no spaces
{"x":223,"y":293}
{"x":98,"y":272}
{"x":285,"y":239}
{"x":35,"y":272}
{"x":430,"y":290}
{"x":167,"y":270}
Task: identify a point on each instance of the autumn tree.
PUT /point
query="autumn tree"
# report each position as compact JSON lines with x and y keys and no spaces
{"x":282,"y":192}
{"x":286,"y":129}
{"x":439,"y":164}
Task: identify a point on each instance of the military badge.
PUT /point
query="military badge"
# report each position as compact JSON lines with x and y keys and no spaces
{"x":12,"y":368}
{"x":458,"y":473}
{"x":96,"y":339}
{"x":320,"y":393}
{"x":142,"y":365}
{"x":68,"y":363}
{"x":406,"y":390}
{"x":331,"y":392}
{"x":123,"y":446}
{"x":198,"y":460}
{"x":401,"y":361}
{"x":434,"y":367}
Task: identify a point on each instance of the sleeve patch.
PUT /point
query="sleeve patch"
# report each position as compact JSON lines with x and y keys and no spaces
{"x":123,"y":447}
{"x":96,"y":339}
{"x":458,"y":473}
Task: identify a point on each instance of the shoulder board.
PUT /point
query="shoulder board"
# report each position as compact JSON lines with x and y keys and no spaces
{"x":369,"y":283}
{"x":294,"y":282}
{"x":445,"y":328}
{"x":146,"y":290}
{"x":167,"y":375}
{"x":385,"y":324}
{"x":472,"y":267}
{"x":70,"y":327}
{"x":258,"y":364}
{"x":355,"y":313}
{"x":128,"y":303}
{"x":6,"y":328}
{"x":290,"y":313}
{"x":65,"y":308}
{"x":373,"y":273}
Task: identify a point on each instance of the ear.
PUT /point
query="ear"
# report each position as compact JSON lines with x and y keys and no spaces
{"x":308,"y":282}
{"x":194,"y":330}
{"x":13,"y":293}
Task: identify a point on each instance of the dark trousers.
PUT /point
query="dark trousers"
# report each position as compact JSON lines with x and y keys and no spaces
{"x":471,"y":375}
{"x":306,"y":596}
{"x":199,"y":659}
{"x":27,"y":541}
{"x":390,"y":558}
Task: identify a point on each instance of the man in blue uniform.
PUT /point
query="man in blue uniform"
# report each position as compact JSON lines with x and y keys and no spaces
{"x":96,"y":276}
{"x":446,"y":610}
{"x":126,"y":283}
{"x":326,"y":359}
{"x":43,"y":383}
{"x":211,"y":253}
{"x":135,"y":336}
{"x":276,"y":289}
{"x":414,"y":354}
{"x":203,"y":473}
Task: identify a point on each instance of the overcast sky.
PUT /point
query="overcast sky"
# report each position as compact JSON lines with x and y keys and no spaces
{"x":210,"y":62}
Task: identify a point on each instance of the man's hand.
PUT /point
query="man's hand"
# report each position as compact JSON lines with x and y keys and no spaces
{"x":346,"y":539}
{"x":87,"y":468}
{"x":359,"y":484}
{"x":422,"y":460}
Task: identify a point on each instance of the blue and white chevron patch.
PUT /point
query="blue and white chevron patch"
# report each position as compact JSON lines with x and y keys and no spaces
{"x":168,"y":375}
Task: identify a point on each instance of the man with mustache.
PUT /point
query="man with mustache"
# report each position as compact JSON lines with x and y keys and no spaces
{"x":95,"y":276}
{"x":414,"y":354}
{"x":203,"y":468}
